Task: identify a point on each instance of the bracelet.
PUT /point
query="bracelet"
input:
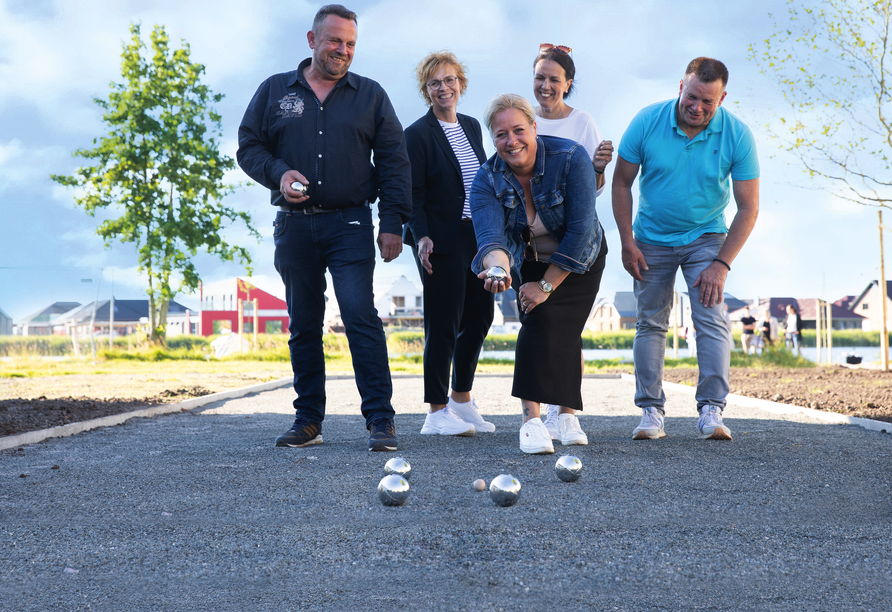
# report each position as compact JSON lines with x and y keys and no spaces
{"x":599,"y":173}
{"x":724,"y":263}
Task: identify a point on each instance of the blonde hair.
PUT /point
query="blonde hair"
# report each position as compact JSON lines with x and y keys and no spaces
{"x":503,"y":102}
{"x":426,"y":68}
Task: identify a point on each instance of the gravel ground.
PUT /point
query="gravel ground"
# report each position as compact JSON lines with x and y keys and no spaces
{"x":199,"y":511}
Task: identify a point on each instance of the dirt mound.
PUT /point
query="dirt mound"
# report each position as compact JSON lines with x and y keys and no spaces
{"x":860,"y":393}
{"x":21,"y":415}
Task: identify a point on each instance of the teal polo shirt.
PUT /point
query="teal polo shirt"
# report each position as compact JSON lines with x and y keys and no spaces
{"x":684,"y":185}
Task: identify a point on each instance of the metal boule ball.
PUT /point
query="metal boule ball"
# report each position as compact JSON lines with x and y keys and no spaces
{"x":497,"y":273}
{"x":398,"y":466}
{"x":393,"y":490}
{"x":568,"y":468}
{"x":298,"y":187}
{"x":504,"y":490}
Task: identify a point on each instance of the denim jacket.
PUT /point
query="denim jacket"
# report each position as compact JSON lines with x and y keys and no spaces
{"x":563,"y":187}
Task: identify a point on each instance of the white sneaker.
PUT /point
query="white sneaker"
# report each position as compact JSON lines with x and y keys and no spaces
{"x":711,"y":426}
{"x":470,"y":413}
{"x":534,"y":438}
{"x":651,"y":426}
{"x":551,"y":420}
{"x":570,"y":431}
{"x":446,"y":423}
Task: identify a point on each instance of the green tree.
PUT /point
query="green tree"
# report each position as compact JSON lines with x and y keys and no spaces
{"x":160,"y":165}
{"x":831,"y":60}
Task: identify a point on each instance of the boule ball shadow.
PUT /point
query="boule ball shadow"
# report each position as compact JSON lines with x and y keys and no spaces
{"x":568,"y":468}
{"x":398,"y":466}
{"x":393,"y":490}
{"x":504,"y":490}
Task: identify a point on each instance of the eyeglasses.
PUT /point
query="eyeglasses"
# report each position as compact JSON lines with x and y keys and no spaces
{"x":559,"y":48}
{"x":448,"y":82}
{"x":530,"y":253}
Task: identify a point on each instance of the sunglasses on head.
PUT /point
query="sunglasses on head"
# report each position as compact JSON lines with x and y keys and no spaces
{"x":530,"y":253}
{"x":559,"y":48}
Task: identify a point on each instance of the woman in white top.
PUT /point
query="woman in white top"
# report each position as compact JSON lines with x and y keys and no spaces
{"x":793,"y":330}
{"x":553,"y":74}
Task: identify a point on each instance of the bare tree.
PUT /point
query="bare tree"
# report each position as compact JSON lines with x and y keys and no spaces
{"x":831,"y":60}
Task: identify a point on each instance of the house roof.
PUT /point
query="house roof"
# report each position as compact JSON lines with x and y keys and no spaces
{"x":807,"y":308}
{"x":129,"y":311}
{"x":625,"y":303}
{"x":845,"y":302}
{"x":867,"y":289}
{"x":50,"y":312}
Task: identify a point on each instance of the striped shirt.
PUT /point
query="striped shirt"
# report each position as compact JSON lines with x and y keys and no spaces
{"x":467,"y":159}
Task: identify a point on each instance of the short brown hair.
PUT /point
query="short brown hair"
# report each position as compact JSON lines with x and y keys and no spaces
{"x":708,"y":70}
{"x":426,"y":68}
{"x":503,"y":102}
{"x":337,"y":10}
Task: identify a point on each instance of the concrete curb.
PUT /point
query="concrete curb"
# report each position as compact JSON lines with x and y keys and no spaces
{"x":32,"y":437}
{"x":779,"y":408}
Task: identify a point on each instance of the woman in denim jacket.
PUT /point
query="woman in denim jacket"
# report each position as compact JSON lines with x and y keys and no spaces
{"x":533,"y":205}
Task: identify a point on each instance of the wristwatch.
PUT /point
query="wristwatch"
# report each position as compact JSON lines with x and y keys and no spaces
{"x":545,"y":286}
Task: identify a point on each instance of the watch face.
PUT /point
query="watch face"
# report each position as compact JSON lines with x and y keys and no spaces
{"x":545,"y":286}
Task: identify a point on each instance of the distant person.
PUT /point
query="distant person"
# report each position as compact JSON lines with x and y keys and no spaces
{"x":690,"y":336}
{"x":793,"y":329}
{"x":687,"y":150}
{"x":768,"y":328}
{"x":327,"y":143}
{"x":553,"y":75}
{"x":748,"y":330}
{"x":553,"y":255}
{"x":446,"y":150}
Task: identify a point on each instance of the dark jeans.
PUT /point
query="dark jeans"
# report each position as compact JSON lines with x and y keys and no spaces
{"x":457,"y":314}
{"x":342,"y":241}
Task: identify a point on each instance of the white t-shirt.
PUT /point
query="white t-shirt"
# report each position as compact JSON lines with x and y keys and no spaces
{"x":578,"y":126}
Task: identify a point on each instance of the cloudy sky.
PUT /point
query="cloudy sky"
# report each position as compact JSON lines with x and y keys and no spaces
{"x":57,"y":55}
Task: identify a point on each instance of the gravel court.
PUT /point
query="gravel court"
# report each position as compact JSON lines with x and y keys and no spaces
{"x":199,"y":511}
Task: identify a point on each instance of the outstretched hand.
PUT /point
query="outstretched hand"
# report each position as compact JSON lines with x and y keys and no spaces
{"x":495,"y":286}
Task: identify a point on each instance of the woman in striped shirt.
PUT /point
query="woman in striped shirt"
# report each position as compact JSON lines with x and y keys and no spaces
{"x":445,"y":150}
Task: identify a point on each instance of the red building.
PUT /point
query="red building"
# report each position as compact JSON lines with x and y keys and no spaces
{"x":219,"y":309}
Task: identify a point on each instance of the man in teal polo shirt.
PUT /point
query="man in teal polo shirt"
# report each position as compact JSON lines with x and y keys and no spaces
{"x":691,"y":153}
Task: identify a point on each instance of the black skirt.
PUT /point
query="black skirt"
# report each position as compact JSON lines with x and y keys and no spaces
{"x":547,"y":366}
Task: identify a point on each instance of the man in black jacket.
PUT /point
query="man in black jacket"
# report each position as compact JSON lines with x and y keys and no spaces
{"x":309,"y":135}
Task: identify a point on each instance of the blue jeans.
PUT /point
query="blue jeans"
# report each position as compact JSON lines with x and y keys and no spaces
{"x":342,"y":241}
{"x":654,"y":295}
{"x":793,"y":340}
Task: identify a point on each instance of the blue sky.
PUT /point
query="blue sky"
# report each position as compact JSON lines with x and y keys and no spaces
{"x":55,"y":56}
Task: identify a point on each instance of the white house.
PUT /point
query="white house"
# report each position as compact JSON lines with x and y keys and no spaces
{"x":402,"y":305}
